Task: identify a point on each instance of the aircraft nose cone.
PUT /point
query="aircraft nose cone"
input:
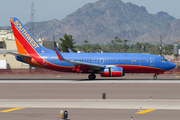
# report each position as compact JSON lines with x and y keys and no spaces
{"x":172,"y":65}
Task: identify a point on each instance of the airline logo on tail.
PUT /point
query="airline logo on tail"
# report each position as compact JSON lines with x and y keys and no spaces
{"x":25,"y":33}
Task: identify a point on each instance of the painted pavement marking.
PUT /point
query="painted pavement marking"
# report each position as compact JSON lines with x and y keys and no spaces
{"x":145,"y":111}
{"x":8,"y":110}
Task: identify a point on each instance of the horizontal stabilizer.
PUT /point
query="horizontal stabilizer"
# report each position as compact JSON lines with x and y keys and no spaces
{"x":19,"y":55}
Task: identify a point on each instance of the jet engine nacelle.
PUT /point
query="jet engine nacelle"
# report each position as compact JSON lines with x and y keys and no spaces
{"x":112,"y":72}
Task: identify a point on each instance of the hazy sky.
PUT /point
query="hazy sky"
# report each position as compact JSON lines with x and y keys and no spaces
{"x":59,"y":9}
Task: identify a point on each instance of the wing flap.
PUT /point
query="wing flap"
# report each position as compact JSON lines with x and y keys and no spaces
{"x":88,"y":64}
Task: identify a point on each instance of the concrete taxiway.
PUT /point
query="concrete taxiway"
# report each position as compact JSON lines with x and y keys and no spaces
{"x":37,"y":97}
{"x":89,"y":114}
{"x":92,"y":103}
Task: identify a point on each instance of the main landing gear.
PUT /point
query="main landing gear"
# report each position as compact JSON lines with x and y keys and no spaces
{"x":92,"y":76}
{"x":155,"y":77}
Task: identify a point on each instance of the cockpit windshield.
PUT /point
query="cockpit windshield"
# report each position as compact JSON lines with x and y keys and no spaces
{"x":163,"y":60}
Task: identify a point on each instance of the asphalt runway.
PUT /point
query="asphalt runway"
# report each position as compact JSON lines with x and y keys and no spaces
{"x":27,"y":97}
{"x":84,"y":77}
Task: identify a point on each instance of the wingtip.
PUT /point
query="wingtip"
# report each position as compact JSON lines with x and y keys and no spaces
{"x":70,"y":51}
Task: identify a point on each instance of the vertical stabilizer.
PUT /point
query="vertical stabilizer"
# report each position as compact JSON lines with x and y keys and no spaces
{"x":25,"y":42}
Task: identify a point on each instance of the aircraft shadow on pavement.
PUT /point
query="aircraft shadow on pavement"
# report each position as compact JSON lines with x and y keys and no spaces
{"x":123,"y":79}
{"x":33,"y":79}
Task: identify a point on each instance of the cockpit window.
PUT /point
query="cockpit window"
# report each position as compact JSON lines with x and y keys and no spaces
{"x":163,"y":60}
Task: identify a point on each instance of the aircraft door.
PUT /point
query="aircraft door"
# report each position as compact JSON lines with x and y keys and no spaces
{"x":152,"y":61}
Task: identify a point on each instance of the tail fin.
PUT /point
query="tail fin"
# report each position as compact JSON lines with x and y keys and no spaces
{"x":25,"y":42}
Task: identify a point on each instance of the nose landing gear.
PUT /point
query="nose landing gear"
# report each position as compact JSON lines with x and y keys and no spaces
{"x":155,"y":77}
{"x":92,"y":76}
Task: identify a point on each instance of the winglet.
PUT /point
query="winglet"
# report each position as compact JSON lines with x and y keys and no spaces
{"x":60,"y":57}
{"x":70,"y":51}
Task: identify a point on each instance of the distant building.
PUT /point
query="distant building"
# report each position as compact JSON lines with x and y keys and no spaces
{"x":49,"y":44}
{"x":6,"y":33}
{"x":7,"y":43}
{"x":7,"y":39}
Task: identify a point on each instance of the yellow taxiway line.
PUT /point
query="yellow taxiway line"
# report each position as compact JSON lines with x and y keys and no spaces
{"x":145,"y":111}
{"x":8,"y":110}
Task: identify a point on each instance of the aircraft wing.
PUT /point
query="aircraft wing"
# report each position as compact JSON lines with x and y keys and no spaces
{"x":88,"y":64}
{"x":76,"y":63}
{"x":20,"y":55}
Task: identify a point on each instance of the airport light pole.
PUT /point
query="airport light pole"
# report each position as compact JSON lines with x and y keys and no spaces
{"x":160,"y":45}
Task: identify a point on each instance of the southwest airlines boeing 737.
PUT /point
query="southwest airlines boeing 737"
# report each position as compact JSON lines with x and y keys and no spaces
{"x":105,"y":64}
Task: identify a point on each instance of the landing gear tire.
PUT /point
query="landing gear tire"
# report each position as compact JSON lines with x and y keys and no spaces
{"x":92,"y":76}
{"x":155,"y":77}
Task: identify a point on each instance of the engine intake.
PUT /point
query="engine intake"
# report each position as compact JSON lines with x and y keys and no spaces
{"x":112,"y":72}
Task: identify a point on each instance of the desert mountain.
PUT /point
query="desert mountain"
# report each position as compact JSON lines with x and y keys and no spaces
{"x":170,"y":33}
{"x":101,"y":21}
